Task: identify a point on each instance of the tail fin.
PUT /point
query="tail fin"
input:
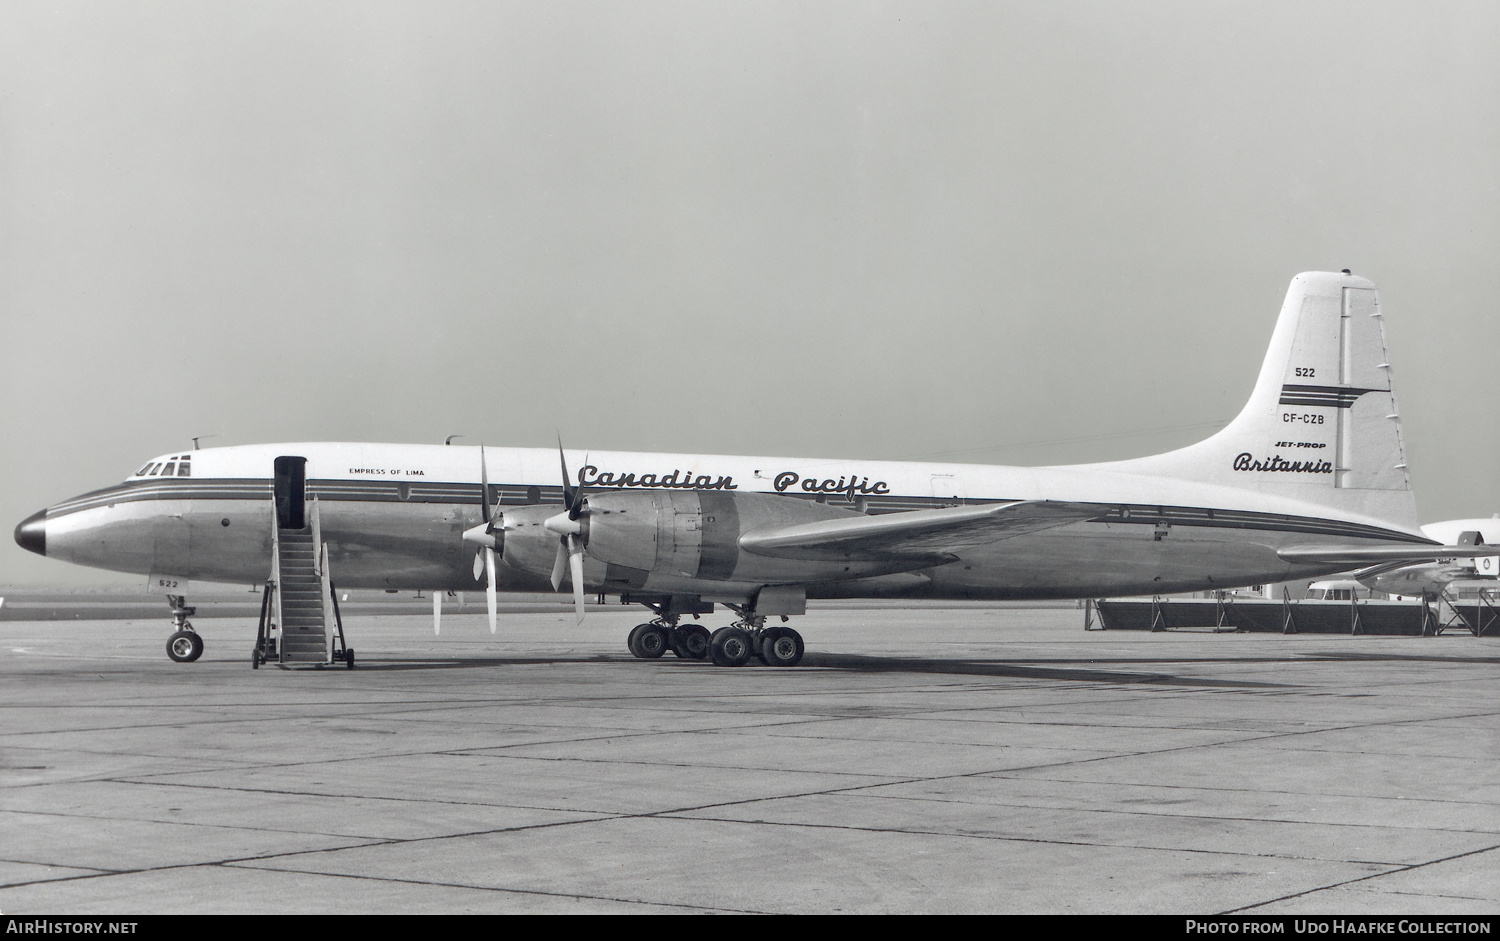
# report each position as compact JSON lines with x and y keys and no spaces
{"x":1321,"y":425}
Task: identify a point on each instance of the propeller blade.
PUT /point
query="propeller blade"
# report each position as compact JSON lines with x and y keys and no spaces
{"x":568,"y":491}
{"x":479,"y":562}
{"x":575,"y":567}
{"x":560,"y":564}
{"x":437,"y":613}
{"x":489,"y":592}
{"x":484,"y":490}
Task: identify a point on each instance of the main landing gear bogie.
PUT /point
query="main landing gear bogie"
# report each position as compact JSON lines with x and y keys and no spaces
{"x":649,"y":641}
{"x":731,"y":646}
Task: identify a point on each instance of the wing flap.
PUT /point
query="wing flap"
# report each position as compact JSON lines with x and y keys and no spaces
{"x":918,"y":535}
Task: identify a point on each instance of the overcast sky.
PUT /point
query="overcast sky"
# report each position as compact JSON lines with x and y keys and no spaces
{"x":1022,"y":233}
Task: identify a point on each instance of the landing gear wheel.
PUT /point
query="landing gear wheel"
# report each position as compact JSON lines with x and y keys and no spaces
{"x":780,"y":647}
{"x":185,"y":646}
{"x":692,"y":642}
{"x":634,"y":633}
{"x":648,"y":641}
{"x":730,"y":646}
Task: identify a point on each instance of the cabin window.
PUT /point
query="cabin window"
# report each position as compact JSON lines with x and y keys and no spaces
{"x":143,"y":470}
{"x":170,"y":470}
{"x":185,"y":469}
{"x":154,"y":468}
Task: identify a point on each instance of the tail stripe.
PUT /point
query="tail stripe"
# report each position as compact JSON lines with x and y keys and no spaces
{"x":1326,"y":396}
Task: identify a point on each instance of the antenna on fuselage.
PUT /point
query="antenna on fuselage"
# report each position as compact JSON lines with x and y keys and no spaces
{"x":449,"y":439}
{"x":196,"y":437}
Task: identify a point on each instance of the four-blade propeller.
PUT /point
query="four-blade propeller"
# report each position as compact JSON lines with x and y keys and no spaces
{"x":569,"y":527}
{"x":488,"y":536}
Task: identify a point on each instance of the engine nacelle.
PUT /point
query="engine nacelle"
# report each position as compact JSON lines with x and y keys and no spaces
{"x":695,"y":534}
{"x":679,"y":541}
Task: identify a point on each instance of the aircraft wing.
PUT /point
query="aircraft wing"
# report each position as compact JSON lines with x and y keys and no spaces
{"x":1373,"y":555}
{"x":935,"y":536}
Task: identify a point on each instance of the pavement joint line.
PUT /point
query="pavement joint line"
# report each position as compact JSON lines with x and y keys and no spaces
{"x":502,"y":889}
{"x":1233,"y":790}
{"x":1143,"y":813}
{"x":361,"y":797}
{"x":1004,"y":838}
{"x":471,"y":752}
{"x":243,"y":863}
{"x":1348,"y":882}
{"x":950,"y":777}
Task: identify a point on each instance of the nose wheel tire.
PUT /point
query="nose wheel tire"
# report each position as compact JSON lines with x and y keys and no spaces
{"x":781,"y":647}
{"x":185,"y":646}
{"x":730,"y":647}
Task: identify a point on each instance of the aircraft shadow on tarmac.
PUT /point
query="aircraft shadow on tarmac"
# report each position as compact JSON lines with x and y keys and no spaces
{"x":861,"y":663}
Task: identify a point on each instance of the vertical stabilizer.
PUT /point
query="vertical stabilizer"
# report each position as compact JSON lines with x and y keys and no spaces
{"x":1321,"y":425}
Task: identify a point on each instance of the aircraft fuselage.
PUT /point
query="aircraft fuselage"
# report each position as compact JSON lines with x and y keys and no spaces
{"x":393,"y":516}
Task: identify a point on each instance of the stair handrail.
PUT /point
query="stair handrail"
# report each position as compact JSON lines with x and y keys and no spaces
{"x":275,"y":580}
{"x":325,"y":584}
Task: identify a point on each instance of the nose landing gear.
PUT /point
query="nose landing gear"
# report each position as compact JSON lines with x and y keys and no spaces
{"x":184,"y":646}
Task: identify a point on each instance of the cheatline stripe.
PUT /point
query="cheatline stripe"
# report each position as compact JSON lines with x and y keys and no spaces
{"x":381,"y":491}
{"x":1326,"y":396}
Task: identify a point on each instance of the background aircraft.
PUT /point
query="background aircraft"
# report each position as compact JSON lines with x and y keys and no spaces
{"x":1428,"y":579}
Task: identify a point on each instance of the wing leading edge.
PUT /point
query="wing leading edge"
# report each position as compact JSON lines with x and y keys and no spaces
{"x":933,"y":536}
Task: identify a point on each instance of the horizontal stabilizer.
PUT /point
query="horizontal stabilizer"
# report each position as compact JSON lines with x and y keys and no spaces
{"x":933,"y":535}
{"x":1371,"y":555}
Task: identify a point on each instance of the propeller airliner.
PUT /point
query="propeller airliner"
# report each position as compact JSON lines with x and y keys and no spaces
{"x":1309,"y":480}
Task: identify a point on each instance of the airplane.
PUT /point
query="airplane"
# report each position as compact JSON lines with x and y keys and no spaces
{"x":1427,"y":580}
{"x":1309,"y":480}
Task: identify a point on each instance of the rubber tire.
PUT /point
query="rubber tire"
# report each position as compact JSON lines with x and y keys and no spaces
{"x":630,"y":640}
{"x":781,"y":647}
{"x":731,"y":647}
{"x":650,"y":641}
{"x":694,"y":642}
{"x":185,"y":646}
{"x":349,"y":657}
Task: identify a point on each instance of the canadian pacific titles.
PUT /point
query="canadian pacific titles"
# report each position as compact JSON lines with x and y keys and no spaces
{"x":850,"y":485}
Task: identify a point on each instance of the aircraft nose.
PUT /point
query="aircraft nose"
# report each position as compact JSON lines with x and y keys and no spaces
{"x":31,"y":534}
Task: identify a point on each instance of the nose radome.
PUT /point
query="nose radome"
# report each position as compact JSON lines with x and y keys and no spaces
{"x":31,"y":534}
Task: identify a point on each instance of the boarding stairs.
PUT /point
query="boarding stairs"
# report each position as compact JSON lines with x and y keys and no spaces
{"x":300,"y":622}
{"x":304,"y":638}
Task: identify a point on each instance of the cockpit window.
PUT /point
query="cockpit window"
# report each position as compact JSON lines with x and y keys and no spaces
{"x":175,"y":465}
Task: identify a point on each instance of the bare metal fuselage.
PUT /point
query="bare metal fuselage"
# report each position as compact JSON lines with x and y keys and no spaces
{"x":394,"y":517}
